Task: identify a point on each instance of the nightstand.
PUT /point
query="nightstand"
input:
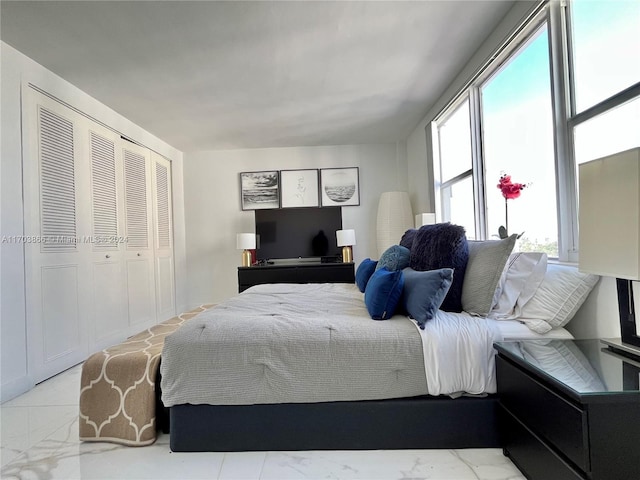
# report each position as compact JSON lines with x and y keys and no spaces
{"x":569,"y":409}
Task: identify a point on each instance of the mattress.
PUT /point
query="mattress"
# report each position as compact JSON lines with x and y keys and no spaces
{"x":285,"y":343}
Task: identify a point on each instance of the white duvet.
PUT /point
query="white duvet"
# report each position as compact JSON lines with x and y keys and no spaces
{"x":458,"y":354}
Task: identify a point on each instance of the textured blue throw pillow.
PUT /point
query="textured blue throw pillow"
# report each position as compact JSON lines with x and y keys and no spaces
{"x":364,"y":272}
{"x":443,"y":245}
{"x":394,"y":258}
{"x":424,"y":292}
{"x":383,"y":293}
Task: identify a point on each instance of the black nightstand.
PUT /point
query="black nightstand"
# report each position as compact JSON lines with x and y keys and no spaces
{"x":296,"y":273}
{"x":569,"y":409}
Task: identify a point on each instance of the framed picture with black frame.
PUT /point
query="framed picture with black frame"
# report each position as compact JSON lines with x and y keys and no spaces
{"x":299,"y":188}
{"x":339,"y":187}
{"x":260,"y":190}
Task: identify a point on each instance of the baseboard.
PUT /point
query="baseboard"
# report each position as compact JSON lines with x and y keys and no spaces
{"x":14,"y":388}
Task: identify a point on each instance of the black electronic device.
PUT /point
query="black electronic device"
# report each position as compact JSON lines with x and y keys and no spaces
{"x":298,"y":233}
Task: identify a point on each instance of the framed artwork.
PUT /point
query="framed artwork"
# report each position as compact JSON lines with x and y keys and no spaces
{"x":299,"y":188}
{"x":340,"y":187}
{"x":259,"y":190}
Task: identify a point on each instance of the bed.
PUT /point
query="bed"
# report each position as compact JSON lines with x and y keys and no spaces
{"x":304,"y":367}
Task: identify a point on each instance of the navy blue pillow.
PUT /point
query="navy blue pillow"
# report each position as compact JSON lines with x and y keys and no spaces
{"x":394,"y":258}
{"x":364,"y":272}
{"x":408,"y":237}
{"x":424,"y":292}
{"x":443,"y":245}
{"x":383,"y":293}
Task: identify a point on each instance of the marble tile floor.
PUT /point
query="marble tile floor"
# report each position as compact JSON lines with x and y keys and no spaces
{"x":39,"y":439}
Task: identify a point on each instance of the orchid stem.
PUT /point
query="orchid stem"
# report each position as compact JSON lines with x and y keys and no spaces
{"x":506,"y":216}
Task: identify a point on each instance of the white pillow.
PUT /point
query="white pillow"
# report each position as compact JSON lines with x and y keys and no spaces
{"x":561,"y":293}
{"x":565,"y":361}
{"x":520,"y":280}
{"x":512,"y":330}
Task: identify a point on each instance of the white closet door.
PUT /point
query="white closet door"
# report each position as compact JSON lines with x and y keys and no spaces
{"x":139,"y":264}
{"x":98,"y":236}
{"x":163,"y":236}
{"x":110,"y":320}
{"x":55,"y":274}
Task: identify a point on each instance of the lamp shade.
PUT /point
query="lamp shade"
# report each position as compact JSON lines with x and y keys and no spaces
{"x":425,"y":219}
{"x":395,"y":217}
{"x":246,"y":241}
{"x":609,"y":215}
{"x":346,"y":238}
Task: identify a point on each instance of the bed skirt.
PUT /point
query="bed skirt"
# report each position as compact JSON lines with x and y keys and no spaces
{"x":407,"y":423}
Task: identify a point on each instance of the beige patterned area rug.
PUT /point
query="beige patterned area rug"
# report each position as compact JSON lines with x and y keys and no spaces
{"x":117,"y":391}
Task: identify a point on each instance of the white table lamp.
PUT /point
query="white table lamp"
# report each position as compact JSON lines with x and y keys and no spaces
{"x":346,"y":239}
{"x":246,"y":242}
{"x":425,"y":219}
{"x":609,"y":223}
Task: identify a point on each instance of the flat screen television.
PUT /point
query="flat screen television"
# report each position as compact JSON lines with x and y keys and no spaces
{"x":294,"y":233}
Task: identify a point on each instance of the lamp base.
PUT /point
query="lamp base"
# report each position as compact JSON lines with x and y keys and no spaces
{"x":246,"y":258}
{"x":347,"y":254}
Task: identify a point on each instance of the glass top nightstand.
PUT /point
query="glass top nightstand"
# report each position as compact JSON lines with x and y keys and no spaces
{"x":581,"y":368}
{"x":569,"y":409}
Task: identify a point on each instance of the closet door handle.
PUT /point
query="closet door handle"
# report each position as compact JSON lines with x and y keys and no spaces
{"x":139,"y":254}
{"x":107,"y":256}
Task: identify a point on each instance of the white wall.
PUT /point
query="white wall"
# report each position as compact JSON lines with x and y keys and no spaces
{"x":16,"y":71}
{"x":599,"y":315}
{"x":214,"y":216}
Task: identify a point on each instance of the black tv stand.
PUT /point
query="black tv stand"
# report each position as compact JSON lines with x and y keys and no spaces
{"x":295,"y":273}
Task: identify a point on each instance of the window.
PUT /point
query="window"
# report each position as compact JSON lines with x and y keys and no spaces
{"x":517,"y":125}
{"x":616,"y":130}
{"x":456,"y":190}
{"x":563,"y":90}
{"x":606,"y":49}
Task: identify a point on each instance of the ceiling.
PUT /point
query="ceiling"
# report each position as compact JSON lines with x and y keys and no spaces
{"x":211,"y":75}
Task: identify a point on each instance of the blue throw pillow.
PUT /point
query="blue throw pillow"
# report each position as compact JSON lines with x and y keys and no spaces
{"x":364,"y":272}
{"x":424,"y":292}
{"x":383,"y":293}
{"x":394,"y":258}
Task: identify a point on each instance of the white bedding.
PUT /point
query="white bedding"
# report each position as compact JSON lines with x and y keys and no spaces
{"x":315,"y":342}
{"x":513,"y":330}
{"x":458,"y":354}
{"x":458,"y":350}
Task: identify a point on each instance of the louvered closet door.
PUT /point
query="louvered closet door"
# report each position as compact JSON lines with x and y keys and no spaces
{"x":163,"y":236}
{"x":55,"y":274}
{"x":139,"y":254}
{"x":110,"y":321}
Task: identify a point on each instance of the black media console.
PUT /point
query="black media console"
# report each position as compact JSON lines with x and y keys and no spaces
{"x":295,"y":273}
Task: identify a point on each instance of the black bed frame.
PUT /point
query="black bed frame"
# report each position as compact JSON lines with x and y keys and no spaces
{"x":403,"y":423}
{"x":411,"y":423}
